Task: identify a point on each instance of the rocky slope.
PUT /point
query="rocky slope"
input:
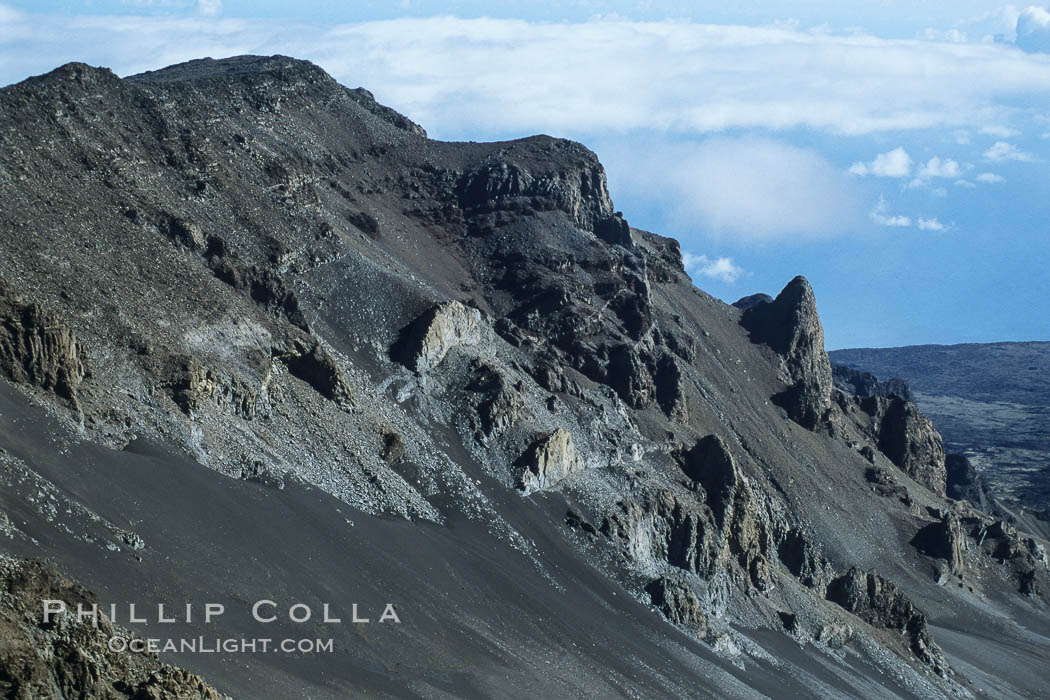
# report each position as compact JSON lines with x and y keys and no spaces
{"x":989,"y":401}
{"x":461,"y":353}
{"x":64,"y":656}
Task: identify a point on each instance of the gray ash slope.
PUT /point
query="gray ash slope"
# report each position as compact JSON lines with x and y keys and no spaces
{"x":452,"y":374}
{"x":991,"y":401}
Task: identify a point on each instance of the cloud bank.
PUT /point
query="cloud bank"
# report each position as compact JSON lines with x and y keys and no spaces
{"x":493,"y":77}
{"x":1033,"y":30}
{"x":751,"y":188}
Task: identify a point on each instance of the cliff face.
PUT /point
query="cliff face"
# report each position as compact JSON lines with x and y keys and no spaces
{"x":289,"y":283}
{"x":791,"y":326}
{"x":65,"y":657}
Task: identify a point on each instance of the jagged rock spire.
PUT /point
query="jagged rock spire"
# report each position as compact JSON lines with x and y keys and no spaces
{"x":791,"y":326}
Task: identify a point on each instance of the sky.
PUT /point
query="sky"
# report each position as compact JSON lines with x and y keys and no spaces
{"x":895,"y":153}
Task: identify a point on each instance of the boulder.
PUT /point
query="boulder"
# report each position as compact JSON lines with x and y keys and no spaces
{"x":426,"y":341}
{"x":548,"y":461}
{"x":308,"y":360}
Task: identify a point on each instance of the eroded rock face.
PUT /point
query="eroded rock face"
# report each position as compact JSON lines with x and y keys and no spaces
{"x":193,"y":385}
{"x":880,"y":603}
{"x":752,"y":300}
{"x":307,"y":359}
{"x":503,"y":404}
{"x":710,"y":464}
{"x":791,"y":327}
{"x":548,"y":461}
{"x":944,"y":540}
{"x":66,"y":658}
{"x":865,"y":384}
{"x":703,"y":538}
{"x":503,"y":182}
{"x":1024,"y":557}
{"x":670,"y":394}
{"x":38,"y":347}
{"x":909,"y":440}
{"x":426,"y":341}
{"x":615,"y":230}
{"x":963,"y":483}
{"x":679,"y":604}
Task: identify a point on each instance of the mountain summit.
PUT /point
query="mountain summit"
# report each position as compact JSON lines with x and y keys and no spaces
{"x":263,"y":339}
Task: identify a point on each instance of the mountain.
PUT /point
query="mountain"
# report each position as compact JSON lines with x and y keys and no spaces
{"x":265,"y":343}
{"x":990,"y":401}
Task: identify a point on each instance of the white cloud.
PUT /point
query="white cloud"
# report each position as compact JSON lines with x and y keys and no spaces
{"x":1001,"y":150}
{"x":895,"y":163}
{"x":1000,"y":132}
{"x":931,"y":224}
{"x":209,"y":8}
{"x":879,"y":216}
{"x":935,"y":167}
{"x":1033,"y":30}
{"x":722,"y":269}
{"x":753,"y":188}
{"x":9,"y":14}
{"x":955,"y":36}
{"x":965,"y":183}
{"x":990,"y":178}
{"x":498,"y":77}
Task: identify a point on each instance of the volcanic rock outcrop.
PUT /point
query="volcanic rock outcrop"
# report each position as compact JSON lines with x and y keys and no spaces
{"x":65,"y":657}
{"x":37,"y":347}
{"x":550,"y":460}
{"x":452,"y":375}
{"x":426,"y":342}
{"x":791,"y":327}
{"x":865,"y":384}
{"x":909,"y":440}
{"x":879,"y":602}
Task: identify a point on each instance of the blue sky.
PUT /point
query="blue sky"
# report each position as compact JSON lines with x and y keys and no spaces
{"x":893,"y":152}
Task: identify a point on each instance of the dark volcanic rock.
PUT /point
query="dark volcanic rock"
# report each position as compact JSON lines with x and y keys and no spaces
{"x":549,"y":460}
{"x":908,"y":439}
{"x":752,"y":300}
{"x":308,"y":360}
{"x":679,"y":604}
{"x":963,"y":483}
{"x":881,"y":603}
{"x":865,"y":384}
{"x":790,"y":325}
{"x":615,"y":231}
{"x":944,"y":540}
{"x":37,"y":347}
{"x":278,"y":278}
{"x":709,"y":463}
{"x":68,"y":658}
